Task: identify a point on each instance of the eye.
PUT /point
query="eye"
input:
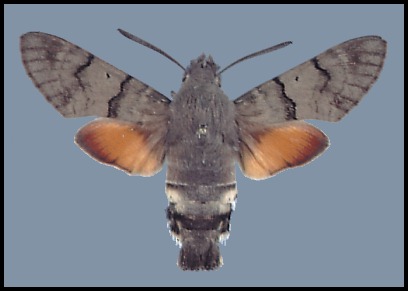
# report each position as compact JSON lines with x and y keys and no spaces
{"x":218,"y":81}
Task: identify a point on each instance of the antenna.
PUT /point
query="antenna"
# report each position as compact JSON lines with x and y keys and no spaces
{"x":149,"y":45}
{"x":261,"y":52}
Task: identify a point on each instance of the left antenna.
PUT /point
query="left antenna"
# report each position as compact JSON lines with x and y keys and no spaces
{"x":150,"y":46}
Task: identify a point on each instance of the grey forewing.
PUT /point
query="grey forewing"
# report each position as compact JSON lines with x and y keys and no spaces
{"x":326,"y":87}
{"x":77,"y":83}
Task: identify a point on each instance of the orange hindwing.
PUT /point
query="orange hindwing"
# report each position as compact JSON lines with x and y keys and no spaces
{"x":266,"y":152}
{"x":123,"y":145}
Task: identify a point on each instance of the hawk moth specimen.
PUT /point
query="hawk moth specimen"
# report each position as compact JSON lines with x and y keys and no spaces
{"x":200,"y":132}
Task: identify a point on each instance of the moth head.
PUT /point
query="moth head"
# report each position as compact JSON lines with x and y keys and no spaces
{"x":202,"y":69}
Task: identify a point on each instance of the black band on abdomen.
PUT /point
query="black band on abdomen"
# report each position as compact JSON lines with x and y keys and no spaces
{"x":177,"y":221}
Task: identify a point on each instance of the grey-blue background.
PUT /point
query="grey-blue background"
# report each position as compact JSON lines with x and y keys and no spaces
{"x":338,"y":221}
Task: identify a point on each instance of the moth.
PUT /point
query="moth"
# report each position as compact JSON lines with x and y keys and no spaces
{"x":200,"y":132}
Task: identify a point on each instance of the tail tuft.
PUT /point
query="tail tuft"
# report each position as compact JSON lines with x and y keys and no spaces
{"x":199,"y":253}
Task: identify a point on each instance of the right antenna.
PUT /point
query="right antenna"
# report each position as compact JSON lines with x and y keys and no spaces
{"x":261,"y":52}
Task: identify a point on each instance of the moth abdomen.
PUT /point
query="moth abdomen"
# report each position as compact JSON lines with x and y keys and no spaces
{"x":199,"y":237}
{"x":199,"y":218}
